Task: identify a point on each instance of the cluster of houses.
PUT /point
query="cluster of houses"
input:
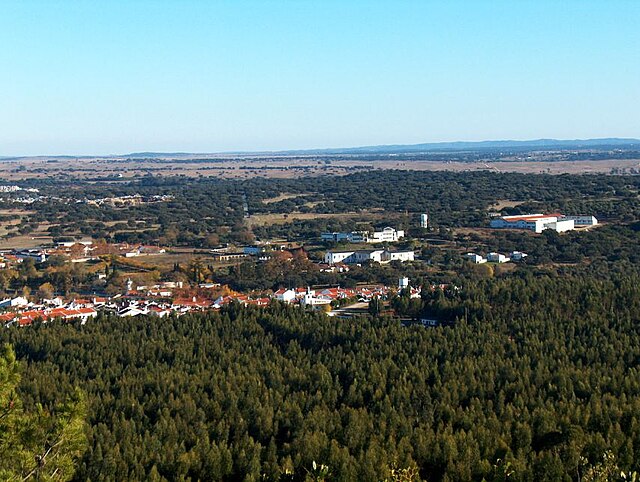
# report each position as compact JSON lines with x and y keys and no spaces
{"x":159,"y":300}
{"x":18,"y":189}
{"x":132,"y":200}
{"x":325,"y":296}
{"x":387,"y":235}
{"x":260,"y":251}
{"x":496,"y":257}
{"x":12,"y":190}
{"x":8,"y":259}
{"x":540,"y":222}
{"x":23,"y":313}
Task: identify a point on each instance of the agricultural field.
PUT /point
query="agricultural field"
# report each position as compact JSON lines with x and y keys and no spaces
{"x":122,"y":169}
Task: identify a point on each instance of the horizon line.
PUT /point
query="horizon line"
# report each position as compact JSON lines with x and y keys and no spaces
{"x":432,"y":145}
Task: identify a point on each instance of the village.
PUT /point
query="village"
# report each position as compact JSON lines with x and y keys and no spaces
{"x":164,"y":299}
{"x":160,"y":298}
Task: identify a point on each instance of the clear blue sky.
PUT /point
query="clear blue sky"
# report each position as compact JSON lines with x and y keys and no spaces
{"x":102,"y":77}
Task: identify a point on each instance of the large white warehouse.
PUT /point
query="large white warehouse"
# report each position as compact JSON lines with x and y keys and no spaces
{"x":539,"y":222}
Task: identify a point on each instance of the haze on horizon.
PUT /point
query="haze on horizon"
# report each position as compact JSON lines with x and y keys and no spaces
{"x":86,"y":77}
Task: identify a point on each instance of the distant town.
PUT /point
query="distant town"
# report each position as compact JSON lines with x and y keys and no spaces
{"x":179,"y":297}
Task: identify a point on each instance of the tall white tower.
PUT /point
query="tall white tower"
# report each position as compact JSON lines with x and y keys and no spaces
{"x":424,"y":220}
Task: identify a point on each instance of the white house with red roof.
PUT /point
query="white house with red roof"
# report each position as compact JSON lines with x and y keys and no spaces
{"x":285,"y":295}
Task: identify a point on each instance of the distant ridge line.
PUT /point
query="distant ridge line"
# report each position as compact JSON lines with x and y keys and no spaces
{"x":611,"y":142}
{"x":430,"y":146}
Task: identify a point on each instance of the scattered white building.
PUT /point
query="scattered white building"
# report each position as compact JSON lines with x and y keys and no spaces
{"x":561,"y":225}
{"x":475,"y":258}
{"x":352,"y":237}
{"x":285,"y":295}
{"x":532,"y":222}
{"x":362,"y":256}
{"x":539,"y":222}
{"x":68,"y":244}
{"x":517,"y":255}
{"x":402,"y":256}
{"x":38,"y":254}
{"x":424,"y":220}
{"x":583,"y":220}
{"x":388,"y":235}
{"x":497,"y":258}
{"x":310,"y":299}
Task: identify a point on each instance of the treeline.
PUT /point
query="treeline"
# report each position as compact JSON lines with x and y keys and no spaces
{"x":205,"y":212}
{"x":539,"y":376}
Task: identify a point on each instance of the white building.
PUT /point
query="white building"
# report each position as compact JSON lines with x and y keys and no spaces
{"x":497,"y":258}
{"x":37,"y":254}
{"x":310,"y":299}
{"x":402,"y":256}
{"x":388,"y":234}
{"x":535,"y":222}
{"x":362,"y":256}
{"x":424,"y":220}
{"x":561,"y":225}
{"x":518,"y":256}
{"x":583,"y":220}
{"x":285,"y":295}
{"x":360,"y":237}
{"x":369,"y":255}
{"x":337,"y":237}
{"x":334,"y":257}
{"x":475,"y":258}
{"x":403,"y":283}
{"x":532,"y":222}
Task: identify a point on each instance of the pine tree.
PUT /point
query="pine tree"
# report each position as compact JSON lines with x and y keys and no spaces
{"x":37,"y":445}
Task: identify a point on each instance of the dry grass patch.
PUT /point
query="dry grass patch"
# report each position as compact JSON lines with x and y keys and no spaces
{"x":503,"y":203}
{"x":281,"y":197}
{"x":273,"y":218}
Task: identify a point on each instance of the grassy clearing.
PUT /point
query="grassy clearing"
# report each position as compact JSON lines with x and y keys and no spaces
{"x":503,"y":203}
{"x":32,"y":240}
{"x":273,"y":218}
{"x":281,"y":197}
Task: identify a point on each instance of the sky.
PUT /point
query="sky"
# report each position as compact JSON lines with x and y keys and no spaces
{"x":113,"y":77}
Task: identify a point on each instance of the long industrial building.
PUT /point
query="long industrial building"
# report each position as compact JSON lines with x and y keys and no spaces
{"x":361,"y":256}
{"x":539,"y":222}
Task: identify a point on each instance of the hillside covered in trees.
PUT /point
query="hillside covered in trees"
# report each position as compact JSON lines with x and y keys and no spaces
{"x":538,"y":378}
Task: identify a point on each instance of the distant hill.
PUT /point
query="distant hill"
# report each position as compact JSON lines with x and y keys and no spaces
{"x":560,"y":144}
{"x":613,"y":142}
{"x":480,"y":145}
{"x":142,"y":155}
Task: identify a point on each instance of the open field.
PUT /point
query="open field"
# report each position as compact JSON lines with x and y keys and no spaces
{"x":274,"y":218}
{"x":26,"y":241}
{"x":501,"y":204}
{"x":281,"y":197}
{"x":119,"y":169}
